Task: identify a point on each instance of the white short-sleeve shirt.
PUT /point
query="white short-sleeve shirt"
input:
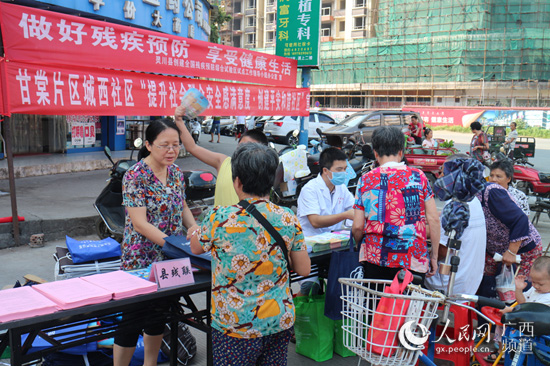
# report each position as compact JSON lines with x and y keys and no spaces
{"x":472,"y":255}
{"x":533,"y":295}
{"x":316,"y":199}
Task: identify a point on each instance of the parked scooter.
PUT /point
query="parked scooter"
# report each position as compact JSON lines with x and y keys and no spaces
{"x":195,"y":129}
{"x":535,"y":184}
{"x":200,"y":188}
{"x":108,"y":204}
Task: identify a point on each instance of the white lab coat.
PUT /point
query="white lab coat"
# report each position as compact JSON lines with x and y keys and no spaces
{"x":316,"y":199}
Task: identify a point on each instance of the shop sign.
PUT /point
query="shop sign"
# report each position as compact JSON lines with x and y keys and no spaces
{"x":168,"y":16}
{"x":298,"y":28}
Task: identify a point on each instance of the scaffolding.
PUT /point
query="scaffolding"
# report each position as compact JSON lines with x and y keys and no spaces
{"x":436,"y":41}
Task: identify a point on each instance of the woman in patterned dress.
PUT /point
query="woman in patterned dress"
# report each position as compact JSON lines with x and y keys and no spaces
{"x":479,"y":145}
{"x":154,"y":196}
{"x":392,"y":205}
{"x":252,"y":309}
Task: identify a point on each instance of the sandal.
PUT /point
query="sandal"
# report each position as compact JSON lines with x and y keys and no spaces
{"x":491,"y":358}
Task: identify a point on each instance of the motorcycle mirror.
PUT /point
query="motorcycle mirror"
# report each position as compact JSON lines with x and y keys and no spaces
{"x":271,"y":145}
{"x":319,"y":131}
{"x":108,"y":153}
{"x":138,"y":142}
{"x":295,"y":133}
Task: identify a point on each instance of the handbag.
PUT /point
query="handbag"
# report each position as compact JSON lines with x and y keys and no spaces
{"x":314,"y":331}
{"x":343,"y":264}
{"x":388,"y":318}
{"x":91,"y":250}
{"x":253,"y":211}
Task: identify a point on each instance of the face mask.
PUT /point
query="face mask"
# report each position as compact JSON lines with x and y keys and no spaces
{"x":338,"y":178}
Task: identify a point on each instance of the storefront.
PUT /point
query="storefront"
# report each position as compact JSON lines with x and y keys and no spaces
{"x":35,"y":134}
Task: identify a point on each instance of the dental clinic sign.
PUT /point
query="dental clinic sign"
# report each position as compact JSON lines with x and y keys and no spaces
{"x":298,"y":28}
{"x":185,"y":18}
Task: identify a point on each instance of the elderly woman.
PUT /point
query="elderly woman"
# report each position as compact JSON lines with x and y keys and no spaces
{"x":392,"y":205}
{"x":502,"y":173}
{"x":252,"y":308}
{"x":509,"y":231}
{"x":480,"y":143}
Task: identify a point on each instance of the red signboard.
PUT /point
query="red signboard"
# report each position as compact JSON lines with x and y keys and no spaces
{"x":434,"y":116}
{"x":38,"y":89}
{"x":37,"y":36}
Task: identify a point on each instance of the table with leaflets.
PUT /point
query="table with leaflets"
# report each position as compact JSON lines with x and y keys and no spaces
{"x":182,"y":308}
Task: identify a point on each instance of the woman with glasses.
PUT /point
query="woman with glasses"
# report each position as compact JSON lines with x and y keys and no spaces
{"x":154,"y":196}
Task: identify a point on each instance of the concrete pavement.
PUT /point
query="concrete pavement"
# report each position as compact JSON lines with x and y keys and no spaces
{"x":61,"y":204}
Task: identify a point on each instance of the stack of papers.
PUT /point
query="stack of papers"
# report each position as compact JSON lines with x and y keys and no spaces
{"x":121,"y":284}
{"x":23,"y":302}
{"x":72,"y":293}
{"x":327,"y":241}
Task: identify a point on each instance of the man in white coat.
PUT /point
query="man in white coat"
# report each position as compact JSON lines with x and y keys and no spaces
{"x":325,"y":201}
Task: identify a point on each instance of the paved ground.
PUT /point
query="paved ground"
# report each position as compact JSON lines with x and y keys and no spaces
{"x":64,"y":197}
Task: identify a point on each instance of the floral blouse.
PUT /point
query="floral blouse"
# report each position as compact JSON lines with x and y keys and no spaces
{"x":250,"y":284}
{"x":521,"y":199}
{"x":478,"y":140}
{"x":164,"y":204}
{"x":393,"y":199}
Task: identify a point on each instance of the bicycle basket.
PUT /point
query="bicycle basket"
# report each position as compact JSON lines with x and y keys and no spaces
{"x":360,"y":298}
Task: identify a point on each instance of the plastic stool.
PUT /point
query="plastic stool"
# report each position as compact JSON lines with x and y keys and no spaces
{"x":463,"y":318}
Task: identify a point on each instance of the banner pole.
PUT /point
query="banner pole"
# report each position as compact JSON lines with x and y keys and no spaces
{"x":11,"y":178}
{"x":304,"y":121}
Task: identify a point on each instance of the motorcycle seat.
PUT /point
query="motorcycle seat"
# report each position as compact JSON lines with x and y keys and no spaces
{"x":532,"y":314}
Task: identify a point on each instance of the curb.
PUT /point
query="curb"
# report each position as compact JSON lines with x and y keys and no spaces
{"x":52,"y":230}
{"x":60,"y":168}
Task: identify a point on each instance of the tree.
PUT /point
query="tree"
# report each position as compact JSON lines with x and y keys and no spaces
{"x":219,"y":18}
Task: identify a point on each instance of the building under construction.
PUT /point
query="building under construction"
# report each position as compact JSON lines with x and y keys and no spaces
{"x":437,"y":52}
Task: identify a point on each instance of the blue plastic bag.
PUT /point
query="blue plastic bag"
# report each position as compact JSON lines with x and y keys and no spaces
{"x":179,"y":247}
{"x":83,"y":251}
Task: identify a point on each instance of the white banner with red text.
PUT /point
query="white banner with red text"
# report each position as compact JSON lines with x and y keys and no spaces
{"x":38,"y":36}
{"x":36,"y":89}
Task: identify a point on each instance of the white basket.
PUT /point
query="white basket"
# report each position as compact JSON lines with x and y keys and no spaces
{"x":360,"y":298}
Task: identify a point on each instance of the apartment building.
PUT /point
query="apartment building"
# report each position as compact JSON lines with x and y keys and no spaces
{"x":385,"y":54}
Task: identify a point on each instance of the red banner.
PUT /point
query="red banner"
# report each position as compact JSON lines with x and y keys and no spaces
{"x":434,"y":116}
{"x":36,"y":89}
{"x":2,"y":86}
{"x":37,"y":36}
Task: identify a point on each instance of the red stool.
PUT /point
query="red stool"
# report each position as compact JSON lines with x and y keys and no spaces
{"x":462,"y":329}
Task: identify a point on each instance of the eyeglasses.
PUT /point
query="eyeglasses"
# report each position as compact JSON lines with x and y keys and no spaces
{"x":167,"y":148}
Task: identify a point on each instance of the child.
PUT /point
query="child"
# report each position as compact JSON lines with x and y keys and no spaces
{"x":539,"y":291}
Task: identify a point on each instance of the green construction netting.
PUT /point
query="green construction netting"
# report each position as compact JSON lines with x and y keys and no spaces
{"x":442,"y":41}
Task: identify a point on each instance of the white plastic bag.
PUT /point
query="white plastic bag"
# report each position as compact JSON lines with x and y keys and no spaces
{"x":506,"y":285}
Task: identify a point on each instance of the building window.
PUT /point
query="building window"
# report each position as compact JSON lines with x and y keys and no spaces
{"x":358,"y":23}
{"x":251,"y":39}
{"x":342,"y":26}
{"x":237,"y":41}
{"x":237,"y":24}
{"x":325,"y":11}
{"x":251,"y":4}
{"x":270,"y":2}
{"x":342,"y":4}
{"x":359,"y":3}
{"x":270,"y":37}
{"x":270,"y":18}
{"x":251,"y":21}
{"x":325,"y":32}
{"x":237,"y":7}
